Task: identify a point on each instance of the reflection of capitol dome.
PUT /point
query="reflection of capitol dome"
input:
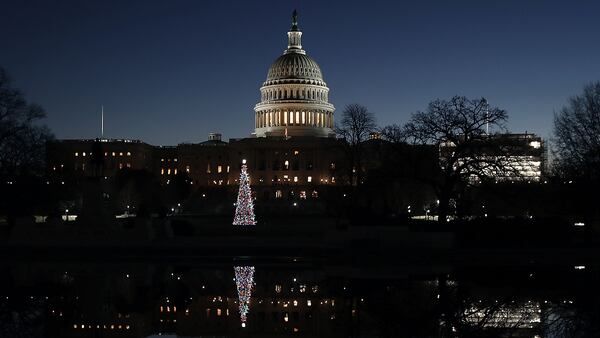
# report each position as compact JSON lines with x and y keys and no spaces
{"x":294,"y":96}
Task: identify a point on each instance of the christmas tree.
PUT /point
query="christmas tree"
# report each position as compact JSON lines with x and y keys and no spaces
{"x":244,"y":281}
{"x":244,"y":210}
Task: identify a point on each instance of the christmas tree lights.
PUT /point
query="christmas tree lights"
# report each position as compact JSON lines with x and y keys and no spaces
{"x":244,"y":209}
{"x":244,"y":281}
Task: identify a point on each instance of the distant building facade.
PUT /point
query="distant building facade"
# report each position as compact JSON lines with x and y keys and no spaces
{"x":523,"y":156}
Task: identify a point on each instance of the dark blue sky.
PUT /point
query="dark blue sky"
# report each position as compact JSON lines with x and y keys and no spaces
{"x":172,"y":71}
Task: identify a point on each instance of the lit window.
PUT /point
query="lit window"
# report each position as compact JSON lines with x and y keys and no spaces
{"x":278,"y":288}
{"x":128,"y":165}
{"x":175,"y":171}
{"x":121,"y":154}
{"x":309,"y":179}
{"x":296,"y":179}
{"x":219,"y":312}
{"x":303,"y":194}
{"x":296,"y":152}
{"x":219,"y":169}
{"x":315,"y":194}
{"x":128,"y":154}
{"x":187,"y":168}
{"x":113,"y":153}
{"x":84,"y":153}
{"x":162,"y":171}
{"x":208,"y":168}
{"x":278,"y":194}
{"x":169,"y":171}
{"x":308,"y":303}
{"x":207,"y":312}
{"x":76,"y":154}
{"x":174,"y":160}
{"x":162,"y":159}
{"x":120,"y":165}
{"x":286,"y":165}
{"x":227,"y":168}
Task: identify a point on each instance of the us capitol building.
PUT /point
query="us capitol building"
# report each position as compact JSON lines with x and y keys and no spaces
{"x":293,"y":147}
{"x":294,"y":98}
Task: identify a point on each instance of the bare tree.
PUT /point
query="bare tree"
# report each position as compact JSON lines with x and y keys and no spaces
{"x":22,"y":142}
{"x":458,"y":126}
{"x":356,"y":125}
{"x":394,"y":133}
{"x":577,"y":136}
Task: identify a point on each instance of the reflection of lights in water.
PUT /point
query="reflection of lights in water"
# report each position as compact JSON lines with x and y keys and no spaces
{"x":244,"y":281}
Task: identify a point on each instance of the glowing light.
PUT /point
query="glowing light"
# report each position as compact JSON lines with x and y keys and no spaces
{"x":244,"y":210}
{"x":579,"y":267}
{"x":244,"y":281}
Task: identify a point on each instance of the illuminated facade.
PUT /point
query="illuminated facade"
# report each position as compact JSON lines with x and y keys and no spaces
{"x":294,"y":98}
{"x":521,"y":155}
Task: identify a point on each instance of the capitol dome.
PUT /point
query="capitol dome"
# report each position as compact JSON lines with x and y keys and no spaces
{"x":294,"y":97}
{"x":295,"y":66}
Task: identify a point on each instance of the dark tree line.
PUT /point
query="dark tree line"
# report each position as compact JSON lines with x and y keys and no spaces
{"x":22,"y":139}
{"x":459,"y":127}
{"x":577,"y":136}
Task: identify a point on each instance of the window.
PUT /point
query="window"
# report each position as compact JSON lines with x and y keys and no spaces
{"x":120,"y":165}
{"x":187,"y":169}
{"x":208,"y":168}
{"x":128,"y":154}
{"x":219,"y":169}
{"x":296,"y":179}
{"x":296,"y":164}
{"x":121,"y":154}
{"x":332,"y":166}
{"x":315,"y":194}
{"x":227,"y":168}
{"x":162,"y":171}
{"x":84,"y":153}
{"x":219,"y":312}
{"x":278,"y":288}
{"x":175,"y":171}
{"x":76,"y":154}
{"x":128,"y":165}
{"x":296,"y":152}
{"x":113,"y":153}
{"x":169,"y":171}
{"x":286,"y":165}
{"x":275,"y":164}
{"x":278,"y":194}
{"x":309,"y":179}
{"x":303,"y":195}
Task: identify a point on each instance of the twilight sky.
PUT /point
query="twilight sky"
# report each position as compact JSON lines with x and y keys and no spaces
{"x":172,"y":71}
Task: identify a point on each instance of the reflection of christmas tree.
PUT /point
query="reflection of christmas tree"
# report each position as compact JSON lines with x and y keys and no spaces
{"x":244,"y":281}
{"x":244,"y":210}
